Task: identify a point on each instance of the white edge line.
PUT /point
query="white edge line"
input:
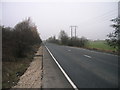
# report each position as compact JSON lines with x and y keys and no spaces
{"x":87,"y":56}
{"x":70,"y":81}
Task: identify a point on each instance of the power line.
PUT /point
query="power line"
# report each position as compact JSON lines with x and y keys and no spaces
{"x":103,"y":19}
{"x":103,"y":15}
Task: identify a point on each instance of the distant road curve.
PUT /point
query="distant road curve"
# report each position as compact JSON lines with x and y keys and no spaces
{"x":86,"y":68}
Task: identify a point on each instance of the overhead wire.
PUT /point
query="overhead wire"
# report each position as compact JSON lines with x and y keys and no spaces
{"x":103,"y":15}
{"x":101,"y":19}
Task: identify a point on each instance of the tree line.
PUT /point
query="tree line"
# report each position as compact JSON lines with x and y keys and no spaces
{"x":64,"y":39}
{"x":17,"y":41}
{"x":113,"y":37}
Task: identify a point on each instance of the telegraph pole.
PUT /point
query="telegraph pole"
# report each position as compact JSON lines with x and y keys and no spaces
{"x":72,"y":30}
{"x":75,"y":31}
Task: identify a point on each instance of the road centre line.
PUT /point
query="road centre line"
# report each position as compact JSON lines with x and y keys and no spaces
{"x":69,"y":50}
{"x":65,"y":74}
{"x":94,"y":51}
{"x":87,"y":56}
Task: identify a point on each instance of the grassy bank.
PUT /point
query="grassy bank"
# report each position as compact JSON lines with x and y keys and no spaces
{"x":101,"y":46}
{"x":12,"y":70}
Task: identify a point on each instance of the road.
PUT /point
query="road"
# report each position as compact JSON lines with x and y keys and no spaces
{"x":52,"y":76}
{"x":86,"y":68}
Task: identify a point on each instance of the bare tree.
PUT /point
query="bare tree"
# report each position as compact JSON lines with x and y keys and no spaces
{"x":63,"y":37}
{"x":19,"y":40}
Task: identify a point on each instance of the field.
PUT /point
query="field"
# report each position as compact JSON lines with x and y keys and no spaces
{"x":100,"y":45}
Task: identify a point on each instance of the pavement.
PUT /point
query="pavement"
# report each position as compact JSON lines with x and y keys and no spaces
{"x":86,"y":68}
{"x":52,"y":76}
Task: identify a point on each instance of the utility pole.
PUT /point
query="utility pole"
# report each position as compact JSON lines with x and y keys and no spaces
{"x":119,"y":9}
{"x":72,"y":30}
{"x":75,"y":31}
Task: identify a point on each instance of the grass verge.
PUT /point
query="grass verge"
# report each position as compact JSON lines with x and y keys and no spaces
{"x":101,"y":46}
{"x":12,"y":70}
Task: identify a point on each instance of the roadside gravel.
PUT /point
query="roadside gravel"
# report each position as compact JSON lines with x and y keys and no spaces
{"x":33,"y":75}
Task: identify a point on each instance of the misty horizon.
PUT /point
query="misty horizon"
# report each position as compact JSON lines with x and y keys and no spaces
{"x":92,"y":18}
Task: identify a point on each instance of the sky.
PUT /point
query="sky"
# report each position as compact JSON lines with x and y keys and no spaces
{"x":91,"y":18}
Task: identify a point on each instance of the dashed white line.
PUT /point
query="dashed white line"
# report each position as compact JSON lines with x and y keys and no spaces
{"x":87,"y":56}
{"x":94,"y":51}
{"x":69,"y":50}
{"x":65,"y":74}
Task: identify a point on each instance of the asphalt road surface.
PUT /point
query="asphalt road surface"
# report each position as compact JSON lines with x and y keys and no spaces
{"x":52,"y":76}
{"x":86,"y":68}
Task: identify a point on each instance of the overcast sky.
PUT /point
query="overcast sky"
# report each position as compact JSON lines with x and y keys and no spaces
{"x":92,"y":18}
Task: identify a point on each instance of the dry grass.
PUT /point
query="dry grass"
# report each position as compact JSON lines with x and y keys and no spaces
{"x":11,"y":71}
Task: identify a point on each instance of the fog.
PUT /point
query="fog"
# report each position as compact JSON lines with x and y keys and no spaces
{"x":92,"y":18}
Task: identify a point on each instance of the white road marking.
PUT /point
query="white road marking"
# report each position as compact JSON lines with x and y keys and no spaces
{"x":69,"y":50}
{"x":65,"y":74}
{"x":87,"y":56}
{"x":94,"y":51}
{"x":103,"y":53}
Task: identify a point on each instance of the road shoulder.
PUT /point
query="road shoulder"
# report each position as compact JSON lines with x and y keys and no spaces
{"x":52,"y":76}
